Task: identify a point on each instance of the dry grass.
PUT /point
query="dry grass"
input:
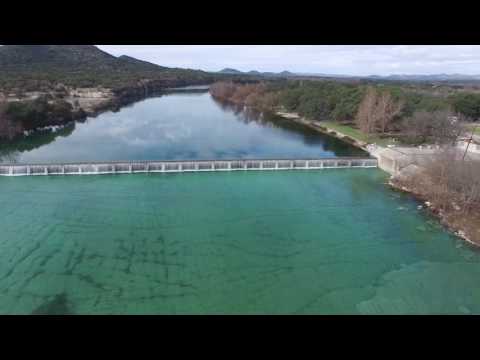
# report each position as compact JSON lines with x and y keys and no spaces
{"x":471,"y":127}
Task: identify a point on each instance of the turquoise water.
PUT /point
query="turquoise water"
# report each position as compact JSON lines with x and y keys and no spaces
{"x":181,"y":125}
{"x":290,"y":242}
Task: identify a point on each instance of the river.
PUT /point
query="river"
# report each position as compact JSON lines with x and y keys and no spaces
{"x":178,"y":125}
{"x":335,"y":241}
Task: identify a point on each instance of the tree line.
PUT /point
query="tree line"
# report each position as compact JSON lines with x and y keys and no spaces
{"x":413,"y":115}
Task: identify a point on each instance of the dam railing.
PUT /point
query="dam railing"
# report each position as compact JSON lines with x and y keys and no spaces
{"x":130,"y":167}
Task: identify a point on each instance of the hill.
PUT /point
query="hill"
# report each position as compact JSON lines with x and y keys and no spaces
{"x":40,"y":67}
{"x":16,"y":57}
{"x":230,"y":71}
{"x":282,"y":74}
{"x":433,"y":77}
{"x":44,"y":85}
{"x":140,"y":64}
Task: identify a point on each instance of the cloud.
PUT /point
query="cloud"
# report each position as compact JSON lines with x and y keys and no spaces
{"x":328,"y":59}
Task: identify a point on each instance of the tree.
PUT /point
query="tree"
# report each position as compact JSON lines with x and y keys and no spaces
{"x":222,"y":90}
{"x":454,"y":181}
{"x":387,"y":110}
{"x":434,"y":127}
{"x":468,"y":105}
{"x":377,"y":111}
{"x":366,"y":116}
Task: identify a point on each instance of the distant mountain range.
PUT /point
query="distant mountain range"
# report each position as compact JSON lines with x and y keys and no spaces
{"x":230,"y":71}
{"x":433,"y":77}
{"x":399,"y":77}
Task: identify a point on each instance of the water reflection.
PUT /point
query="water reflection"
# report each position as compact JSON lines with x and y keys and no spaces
{"x":10,"y":152}
{"x":176,"y":125}
{"x":310,"y":137}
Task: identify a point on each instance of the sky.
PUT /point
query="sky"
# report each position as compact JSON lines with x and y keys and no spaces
{"x":327,"y":59}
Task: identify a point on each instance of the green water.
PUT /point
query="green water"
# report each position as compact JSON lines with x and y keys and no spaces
{"x":313,"y":242}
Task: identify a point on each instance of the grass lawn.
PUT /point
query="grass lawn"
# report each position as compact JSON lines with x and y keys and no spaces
{"x":357,"y":134}
{"x":471,"y":126}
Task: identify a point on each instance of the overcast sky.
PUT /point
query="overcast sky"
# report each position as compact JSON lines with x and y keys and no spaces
{"x":338,"y":59}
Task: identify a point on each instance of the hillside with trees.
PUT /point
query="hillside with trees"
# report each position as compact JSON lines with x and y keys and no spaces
{"x":40,"y":67}
{"x":43,"y":85}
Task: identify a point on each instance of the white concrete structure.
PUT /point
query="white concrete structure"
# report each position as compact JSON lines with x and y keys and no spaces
{"x":183,"y":166}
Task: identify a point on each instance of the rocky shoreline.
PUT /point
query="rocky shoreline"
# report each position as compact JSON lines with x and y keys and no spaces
{"x":442,"y":216}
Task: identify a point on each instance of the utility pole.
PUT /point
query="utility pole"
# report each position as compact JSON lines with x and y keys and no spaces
{"x":469,"y":141}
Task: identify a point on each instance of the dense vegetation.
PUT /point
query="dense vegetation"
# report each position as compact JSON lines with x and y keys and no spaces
{"x":42,"y":67}
{"x":327,"y":100}
{"x":40,"y":112}
{"x":467,"y":104}
{"x":416,"y":114}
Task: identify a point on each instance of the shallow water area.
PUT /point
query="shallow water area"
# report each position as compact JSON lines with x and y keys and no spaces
{"x":291,"y":242}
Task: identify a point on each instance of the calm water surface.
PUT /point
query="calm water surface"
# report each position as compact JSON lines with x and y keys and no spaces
{"x":176,"y":126}
{"x":307,"y":242}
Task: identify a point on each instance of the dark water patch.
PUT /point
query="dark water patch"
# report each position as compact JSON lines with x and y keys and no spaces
{"x":322,"y":242}
{"x":91,"y":281}
{"x":59,"y":305}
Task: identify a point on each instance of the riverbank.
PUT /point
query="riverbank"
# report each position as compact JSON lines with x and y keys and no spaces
{"x":75,"y":104}
{"x":320,"y":126}
{"x":465,"y":225}
{"x":405,"y":167}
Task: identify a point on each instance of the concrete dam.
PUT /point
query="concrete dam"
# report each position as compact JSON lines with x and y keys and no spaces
{"x":134,"y":167}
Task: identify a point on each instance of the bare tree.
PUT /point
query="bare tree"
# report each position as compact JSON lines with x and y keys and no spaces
{"x":474,"y":128}
{"x":453,"y":181}
{"x":387,"y":109}
{"x":253,"y":95}
{"x":366,"y":116}
{"x":377,"y":111}
{"x":223,"y":90}
{"x":434,"y":127}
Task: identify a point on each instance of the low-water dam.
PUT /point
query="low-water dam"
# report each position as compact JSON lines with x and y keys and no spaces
{"x":127,"y":167}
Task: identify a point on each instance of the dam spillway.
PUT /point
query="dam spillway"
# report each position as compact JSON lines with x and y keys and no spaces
{"x":131,"y":167}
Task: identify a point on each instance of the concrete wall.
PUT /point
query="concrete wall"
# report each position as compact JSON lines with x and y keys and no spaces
{"x":183,"y":166}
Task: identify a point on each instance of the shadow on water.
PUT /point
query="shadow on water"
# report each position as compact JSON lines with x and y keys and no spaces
{"x":59,"y":305}
{"x":308,"y":136}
